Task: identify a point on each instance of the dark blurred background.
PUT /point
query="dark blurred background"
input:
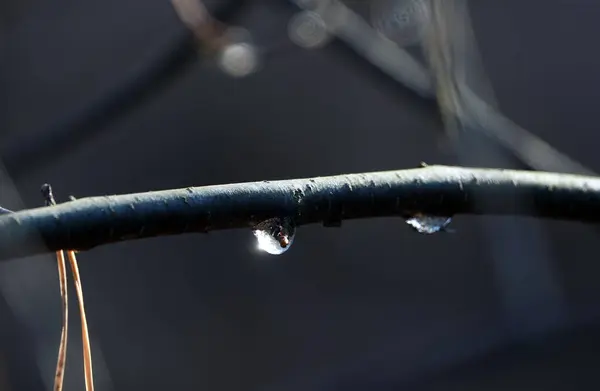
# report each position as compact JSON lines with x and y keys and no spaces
{"x":502,"y":304}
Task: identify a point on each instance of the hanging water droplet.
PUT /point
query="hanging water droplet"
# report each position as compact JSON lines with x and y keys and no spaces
{"x":428,"y":224}
{"x":275,"y":236}
{"x":401,"y":21}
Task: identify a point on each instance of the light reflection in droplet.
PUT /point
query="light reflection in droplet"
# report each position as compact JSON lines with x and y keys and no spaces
{"x":275,"y":236}
{"x":429,"y":224}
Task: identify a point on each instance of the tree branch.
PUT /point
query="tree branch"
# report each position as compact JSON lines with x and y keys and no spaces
{"x":436,"y":190}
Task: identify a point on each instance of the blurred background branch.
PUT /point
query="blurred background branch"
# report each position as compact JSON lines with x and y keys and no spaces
{"x":206,"y":31}
{"x":442,"y":20}
{"x":203,"y":34}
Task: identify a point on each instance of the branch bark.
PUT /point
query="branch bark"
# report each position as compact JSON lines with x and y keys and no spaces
{"x":434,"y":190}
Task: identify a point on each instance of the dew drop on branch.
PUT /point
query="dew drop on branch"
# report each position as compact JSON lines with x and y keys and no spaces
{"x":275,"y":236}
{"x":429,"y":224}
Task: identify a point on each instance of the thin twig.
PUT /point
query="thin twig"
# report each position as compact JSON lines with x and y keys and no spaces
{"x":207,"y":30}
{"x":434,"y":190}
{"x":85,"y":338}
{"x":64,"y":296}
{"x":62,"y":347}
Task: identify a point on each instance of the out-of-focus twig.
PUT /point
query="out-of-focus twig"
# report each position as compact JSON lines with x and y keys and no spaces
{"x":452,"y":54}
{"x":404,"y":68}
{"x":450,"y":46}
{"x":207,"y":30}
{"x":236,"y":55}
{"x":168,"y":62}
{"x":439,"y":49}
{"x":351,"y":28}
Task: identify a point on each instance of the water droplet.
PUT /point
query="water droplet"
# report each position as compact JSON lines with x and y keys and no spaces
{"x":275,"y":236}
{"x":429,"y":224}
{"x":308,"y":30}
{"x":401,"y":21}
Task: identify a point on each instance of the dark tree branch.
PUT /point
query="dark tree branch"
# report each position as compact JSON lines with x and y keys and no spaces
{"x":436,"y":190}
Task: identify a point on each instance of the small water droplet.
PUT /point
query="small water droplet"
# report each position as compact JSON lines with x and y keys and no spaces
{"x":429,"y":224}
{"x":275,"y":236}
